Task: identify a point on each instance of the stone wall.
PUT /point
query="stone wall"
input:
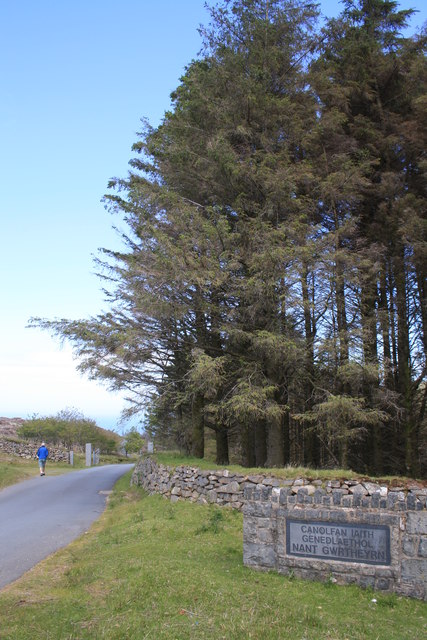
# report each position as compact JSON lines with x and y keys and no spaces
{"x":369,"y":536}
{"x":383,"y":527}
{"x":28,"y":450}
{"x":225,"y":487}
{"x":189,"y":483}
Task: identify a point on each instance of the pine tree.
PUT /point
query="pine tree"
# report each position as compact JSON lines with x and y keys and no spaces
{"x":364,"y":80}
{"x":271,"y":289}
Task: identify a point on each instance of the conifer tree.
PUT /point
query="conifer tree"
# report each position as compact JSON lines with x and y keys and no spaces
{"x":271,"y":289}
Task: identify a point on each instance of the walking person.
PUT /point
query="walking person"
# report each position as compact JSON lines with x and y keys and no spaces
{"x":42,"y":455}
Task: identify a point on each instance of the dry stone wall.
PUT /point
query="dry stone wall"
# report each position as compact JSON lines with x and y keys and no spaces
{"x":189,"y":483}
{"x":28,"y":450}
{"x":223,"y":487}
{"x":346,"y":531}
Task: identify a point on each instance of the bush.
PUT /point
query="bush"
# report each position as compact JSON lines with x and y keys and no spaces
{"x":68,"y":427}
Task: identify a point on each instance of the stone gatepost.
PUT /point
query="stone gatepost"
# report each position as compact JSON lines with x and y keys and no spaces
{"x":88,"y":452}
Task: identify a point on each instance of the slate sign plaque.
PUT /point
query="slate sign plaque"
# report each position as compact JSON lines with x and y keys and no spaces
{"x":369,"y":544}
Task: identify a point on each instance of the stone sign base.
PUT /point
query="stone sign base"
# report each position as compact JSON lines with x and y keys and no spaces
{"x":348,"y":531}
{"x":380,"y":544}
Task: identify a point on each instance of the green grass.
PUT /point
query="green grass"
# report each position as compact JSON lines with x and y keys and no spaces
{"x":175,"y":459}
{"x":149,"y":569}
{"x":14,"y":472}
{"x":14,"y":469}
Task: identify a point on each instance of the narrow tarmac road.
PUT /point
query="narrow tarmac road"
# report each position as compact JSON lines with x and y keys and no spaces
{"x":41,"y":515}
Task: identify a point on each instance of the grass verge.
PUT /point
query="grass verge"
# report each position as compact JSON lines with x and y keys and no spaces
{"x":149,"y":569}
{"x":14,"y":469}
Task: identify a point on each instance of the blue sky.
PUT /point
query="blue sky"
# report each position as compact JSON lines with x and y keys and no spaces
{"x":76,"y":77}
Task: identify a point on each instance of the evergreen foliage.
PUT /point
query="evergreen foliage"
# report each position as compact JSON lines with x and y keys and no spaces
{"x":272,"y":288}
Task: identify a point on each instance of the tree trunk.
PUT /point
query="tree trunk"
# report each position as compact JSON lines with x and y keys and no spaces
{"x":370,"y":355}
{"x":369,"y":323}
{"x":375,"y":445}
{"x":198,"y":428}
{"x":286,"y":439}
{"x":422,"y":293}
{"x":248,"y":445}
{"x":275,"y":443}
{"x":343,"y":453}
{"x":339,"y":278}
{"x":341,"y":315}
{"x":384,"y":317}
{"x":404,"y":373}
{"x":260,"y":444}
{"x":311,"y":451}
{"x":221,"y":435}
{"x":393,"y":326}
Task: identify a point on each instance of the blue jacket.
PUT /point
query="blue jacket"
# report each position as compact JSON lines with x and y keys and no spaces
{"x":42,"y":453}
